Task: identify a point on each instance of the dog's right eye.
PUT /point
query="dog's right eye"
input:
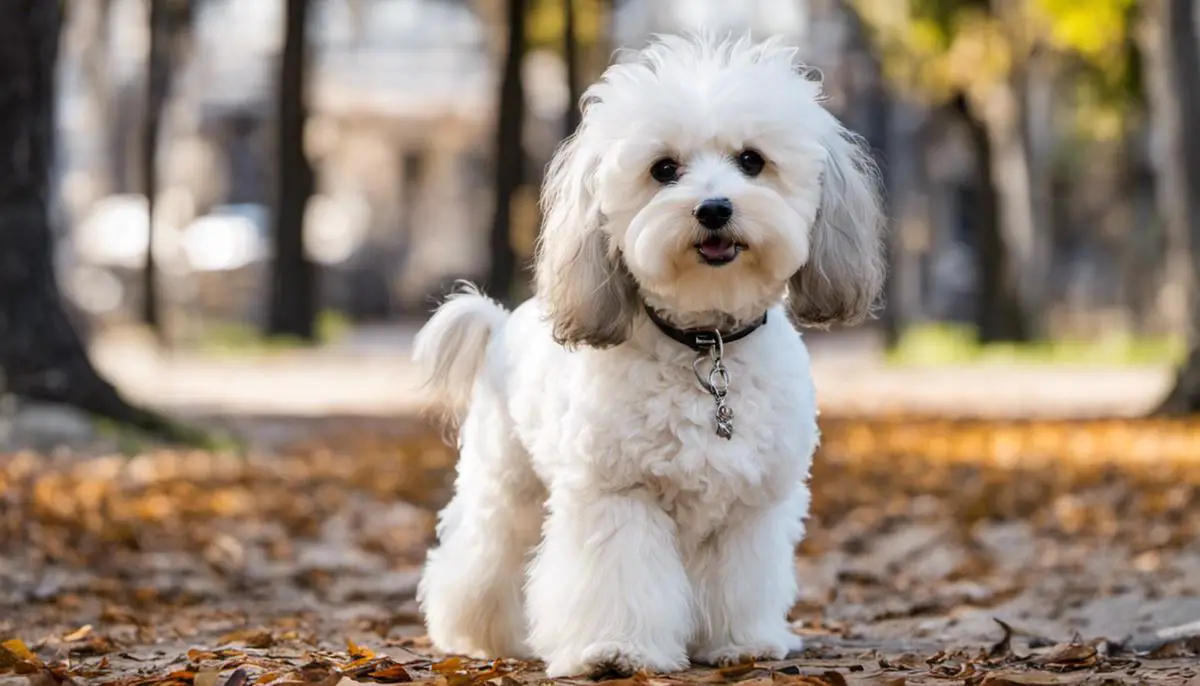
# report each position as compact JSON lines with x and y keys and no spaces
{"x":665,"y":170}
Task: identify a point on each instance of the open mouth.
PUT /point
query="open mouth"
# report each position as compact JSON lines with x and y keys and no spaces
{"x":719,"y":249}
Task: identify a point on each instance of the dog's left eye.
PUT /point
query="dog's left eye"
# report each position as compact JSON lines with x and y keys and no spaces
{"x":665,"y":171}
{"x":751,"y":162}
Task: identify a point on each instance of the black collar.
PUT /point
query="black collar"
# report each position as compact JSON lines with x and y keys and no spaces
{"x":701,"y":340}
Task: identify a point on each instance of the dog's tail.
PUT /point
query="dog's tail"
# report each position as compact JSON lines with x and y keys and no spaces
{"x":450,"y":349}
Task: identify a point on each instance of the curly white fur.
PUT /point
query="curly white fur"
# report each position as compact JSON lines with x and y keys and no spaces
{"x":598,"y":522}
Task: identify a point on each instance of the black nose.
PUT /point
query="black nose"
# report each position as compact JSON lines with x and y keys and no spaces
{"x":713,"y":213}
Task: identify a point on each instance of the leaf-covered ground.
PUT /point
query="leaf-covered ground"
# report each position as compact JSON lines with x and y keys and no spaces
{"x":939,"y":552}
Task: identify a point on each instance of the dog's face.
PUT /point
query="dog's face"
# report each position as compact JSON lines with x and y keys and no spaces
{"x":706,"y":177}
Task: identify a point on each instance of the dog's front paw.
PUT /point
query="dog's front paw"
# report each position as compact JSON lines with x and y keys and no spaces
{"x":615,"y":658}
{"x":762,"y":650}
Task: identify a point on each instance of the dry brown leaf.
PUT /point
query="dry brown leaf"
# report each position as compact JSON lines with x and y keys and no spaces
{"x":1022,"y":680}
{"x":828,"y":678}
{"x":638,"y":679}
{"x":950,"y":670}
{"x":734,"y":672}
{"x":1068,"y":656}
{"x":91,"y":671}
{"x":79,"y":634}
{"x":722,"y":675}
{"x":1178,"y":648}
{"x":206,"y":678}
{"x":887,"y":681}
{"x":251,"y":638}
{"x":394,"y":674}
{"x":905,"y":662}
{"x":1003,"y":647}
{"x":494,"y":670}
{"x":238,"y":678}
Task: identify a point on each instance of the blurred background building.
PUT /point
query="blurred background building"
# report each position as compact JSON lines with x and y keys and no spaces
{"x":402,"y":136}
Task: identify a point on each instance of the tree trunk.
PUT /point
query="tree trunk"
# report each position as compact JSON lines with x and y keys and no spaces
{"x":170,"y":26}
{"x":1000,"y":113}
{"x":92,"y":60}
{"x":571,"y":62}
{"x":869,"y":92}
{"x":999,"y":316}
{"x":510,"y":155}
{"x":293,"y":304}
{"x":1181,"y":56}
{"x":41,"y":354}
{"x":1035,"y":89}
{"x":158,"y":70}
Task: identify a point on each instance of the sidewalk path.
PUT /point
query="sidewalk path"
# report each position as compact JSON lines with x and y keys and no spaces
{"x":369,"y":373}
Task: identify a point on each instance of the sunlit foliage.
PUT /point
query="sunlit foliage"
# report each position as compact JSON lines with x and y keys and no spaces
{"x":935,"y":49}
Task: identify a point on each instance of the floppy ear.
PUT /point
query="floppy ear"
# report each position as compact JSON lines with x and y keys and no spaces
{"x":590,"y":297}
{"x":843,"y":277}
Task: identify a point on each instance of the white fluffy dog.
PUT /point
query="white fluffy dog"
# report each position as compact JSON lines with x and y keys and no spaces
{"x":636,"y":439}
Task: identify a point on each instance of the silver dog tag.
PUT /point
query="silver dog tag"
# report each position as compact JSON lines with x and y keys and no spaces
{"x":716,"y":382}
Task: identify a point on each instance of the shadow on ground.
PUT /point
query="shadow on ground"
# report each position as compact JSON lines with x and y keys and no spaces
{"x":939,"y":552}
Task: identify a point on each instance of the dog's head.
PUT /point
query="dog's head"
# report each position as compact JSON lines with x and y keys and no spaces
{"x":707,"y":177}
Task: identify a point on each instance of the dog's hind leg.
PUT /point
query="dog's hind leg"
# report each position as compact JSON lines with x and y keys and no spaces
{"x":472,"y":588}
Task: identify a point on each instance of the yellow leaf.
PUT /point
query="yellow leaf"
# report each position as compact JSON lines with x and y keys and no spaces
{"x":358,"y":652}
{"x":17,"y":649}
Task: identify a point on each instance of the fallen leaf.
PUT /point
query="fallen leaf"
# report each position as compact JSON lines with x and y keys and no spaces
{"x":394,"y":674}
{"x":736,"y":671}
{"x":256,"y":638}
{"x":950,"y":670}
{"x":50,"y":677}
{"x":828,"y":678}
{"x":1069,"y":656}
{"x":206,"y":678}
{"x":79,"y":634}
{"x":238,"y":678}
{"x":638,"y":679}
{"x":358,"y":652}
{"x":1003,"y":647}
{"x":17,"y":650}
{"x":1022,"y":680}
{"x":1177,"y":648}
{"x":449,"y":666}
{"x":906,"y":662}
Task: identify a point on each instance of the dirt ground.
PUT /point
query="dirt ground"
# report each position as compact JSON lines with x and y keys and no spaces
{"x":940,"y":552}
{"x":978,"y":551}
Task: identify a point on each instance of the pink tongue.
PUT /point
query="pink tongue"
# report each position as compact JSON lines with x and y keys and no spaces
{"x":716,"y":248}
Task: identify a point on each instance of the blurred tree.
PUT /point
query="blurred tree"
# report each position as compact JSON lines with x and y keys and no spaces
{"x":293,"y":284}
{"x":170,"y":24}
{"x":41,"y":354}
{"x":971,"y":59}
{"x":546,"y":22}
{"x":870,"y":95}
{"x":509,"y":161}
{"x":1173,"y":23}
{"x":571,"y":64}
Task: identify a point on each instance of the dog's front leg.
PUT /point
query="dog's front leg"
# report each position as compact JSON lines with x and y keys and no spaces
{"x":607,"y":590}
{"x":746,"y":583}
